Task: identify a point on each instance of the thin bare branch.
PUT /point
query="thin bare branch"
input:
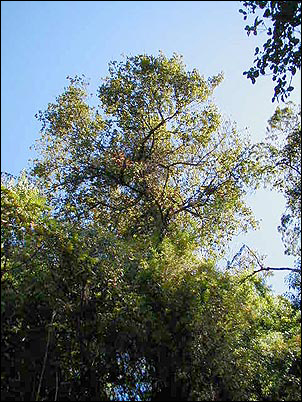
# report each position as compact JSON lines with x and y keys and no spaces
{"x":271,"y":269}
{"x":45,"y":356}
{"x":263,"y":268}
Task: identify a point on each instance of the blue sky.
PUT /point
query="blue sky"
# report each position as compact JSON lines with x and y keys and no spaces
{"x":44,"y":41}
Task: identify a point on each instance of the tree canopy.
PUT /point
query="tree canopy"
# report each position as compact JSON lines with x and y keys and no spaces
{"x":156,"y":156}
{"x":280,"y":55}
{"x":282,"y":158}
{"x":109,"y":276}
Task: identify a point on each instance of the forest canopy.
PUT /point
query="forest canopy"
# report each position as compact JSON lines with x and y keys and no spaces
{"x":110,"y":283}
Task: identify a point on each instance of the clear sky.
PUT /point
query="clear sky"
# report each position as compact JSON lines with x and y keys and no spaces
{"x":44,"y":41}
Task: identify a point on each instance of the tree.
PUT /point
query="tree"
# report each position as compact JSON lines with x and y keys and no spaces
{"x":281,"y":53}
{"x":280,"y":157}
{"x":155,"y":157}
{"x":283,"y":161}
{"x":105,"y":324}
{"x":113,"y":292}
{"x":47,"y":308}
{"x":24,"y":288}
{"x":284,"y":149}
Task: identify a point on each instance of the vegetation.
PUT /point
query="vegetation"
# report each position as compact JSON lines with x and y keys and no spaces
{"x":110,"y":283}
{"x":280,"y":55}
{"x":283,"y":162}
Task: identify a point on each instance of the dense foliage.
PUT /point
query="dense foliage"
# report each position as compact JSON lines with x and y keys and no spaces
{"x":110,"y":287}
{"x":155,"y":157}
{"x":281,"y":53}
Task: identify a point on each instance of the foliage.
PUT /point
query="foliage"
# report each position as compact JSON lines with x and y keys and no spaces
{"x":23,"y":284}
{"x":98,"y":321}
{"x":23,"y":216}
{"x":110,"y":288}
{"x":281,"y":53}
{"x":285,"y":151}
{"x":283,"y":164}
{"x":159,"y":156}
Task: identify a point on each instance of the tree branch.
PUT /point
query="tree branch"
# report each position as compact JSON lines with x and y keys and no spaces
{"x":288,"y":165}
{"x":271,"y":269}
{"x":151,"y":132}
{"x":45,"y":355}
{"x":262,"y":268}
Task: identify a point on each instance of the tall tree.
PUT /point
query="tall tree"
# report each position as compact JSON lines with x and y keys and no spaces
{"x":156,"y":155}
{"x":283,"y":153}
{"x":281,"y":53}
{"x":280,"y":156}
{"x":105,"y":294}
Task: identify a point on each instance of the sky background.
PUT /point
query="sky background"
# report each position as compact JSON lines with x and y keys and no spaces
{"x":42,"y":42}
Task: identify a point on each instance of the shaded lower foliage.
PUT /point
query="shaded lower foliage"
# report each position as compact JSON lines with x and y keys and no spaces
{"x":164,"y":329}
